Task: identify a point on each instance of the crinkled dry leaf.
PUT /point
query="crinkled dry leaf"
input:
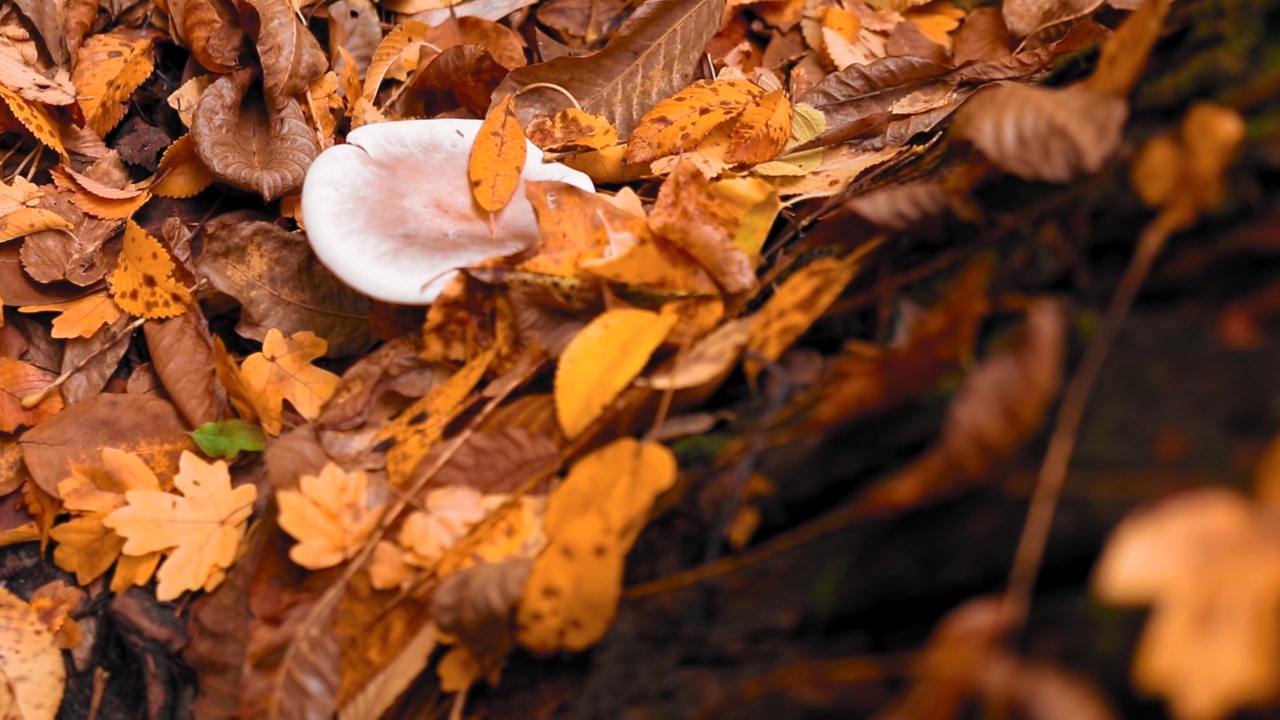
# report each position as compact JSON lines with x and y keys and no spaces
{"x":1040,"y":133}
{"x":330,"y":515}
{"x":854,"y":99}
{"x":290,"y":55}
{"x":201,"y":529}
{"x":30,"y":660}
{"x":211,"y":28}
{"x":695,"y":219}
{"x":572,"y":129}
{"x":283,"y":371}
{"x":1208,"y":561}
{"x":497,"y":157}
{"x":652,"y":55}
{"x":403,"y":41}
{"x":602,"y":360}
{"x":109,"y":68}
{"x":249,"y":141}
{"x":761,"y":131}
{"x":143,"y":283}
{"x":101,"y":199}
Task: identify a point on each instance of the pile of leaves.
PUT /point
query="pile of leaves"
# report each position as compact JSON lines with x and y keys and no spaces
{"x":281,"y":498}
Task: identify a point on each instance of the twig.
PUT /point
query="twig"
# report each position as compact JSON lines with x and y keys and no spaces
{"x":35,"y":398}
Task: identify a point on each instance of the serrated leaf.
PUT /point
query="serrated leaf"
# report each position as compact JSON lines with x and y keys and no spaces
{"x":142,"y":283}
{"x":681,"y":121}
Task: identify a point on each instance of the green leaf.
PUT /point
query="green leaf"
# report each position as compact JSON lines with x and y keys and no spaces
{"x":227,"y":439}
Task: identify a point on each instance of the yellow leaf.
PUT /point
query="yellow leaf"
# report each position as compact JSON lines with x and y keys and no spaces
{"x":404,"y":39}
{"x":800,"y":301}
{"x":761,"y":131}
{"x":109,"y":68}
{"x":181,"y":173}
{"x":576,"y":225}
{"x":142,"y":283}
{"x":573,"y":590}
{"x":450,"y":513}
{"x":96,"y":488}
{"x":458,"y":669}
{"x":86,"y":547}
{"x":34,"y":118}
{"x":619,"y":481}
{"x":602,"y":360}
{"x":936,"y":20}
{"x":81,"y":317}
{"x":201,"y":529}
{"x":329,"y":514}
{"x":681,"y":121}
{"x":416,"y":429}
{"x":27,"y":220}
{"x":1208,"y":561}
{"x":283,"y":371}
{"x":497,"y":157}
{"x":572,"y":129}
{"x":30,"y":661}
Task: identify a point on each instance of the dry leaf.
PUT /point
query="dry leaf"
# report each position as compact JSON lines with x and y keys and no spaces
{"x":709,"y":360}
{"x":691,"y":216}
{"x":290,"y":55}
{"x":761,"y":131}
{"x":330,"y":514}
{"x":1208,"y":562}
{"x":201,"y":529}
{"x":497,"y":157}
{"x":30,"y":661}
{"x":109,"y":68}
{"x":802,"y":298}
{"x":34,"y":118}
{"x":572,"y":129}
{"x":182,"y":356}
{"x":23,"y":221}
{"x":652,"y":55}
{"x":1124,"y":55}
{"x":211,"y":28}
{"x":81,"y":317}
{"x":602,"y":360}
{"x":17,"y":381}
{"x":283,"y":371}
{"x":1040,"y":133}
{"x":181,"y":173}
{"x":403,"y":41}
{"x":576,"y":226}
{"x":620,"y":481}
{"x":250,"y":142}
{"x":142,"y":283}
{"x":1024,"y":17}
{"x":681,"y":121}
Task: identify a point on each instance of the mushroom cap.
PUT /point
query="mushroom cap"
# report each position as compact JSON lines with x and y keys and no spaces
{"x":391,"y":213}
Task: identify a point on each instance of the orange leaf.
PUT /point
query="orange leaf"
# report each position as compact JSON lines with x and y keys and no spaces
{"x":28,"y":220}
{"x":99,"y":199}
{"x":497,"y":157}
{"x":800,"y":301}
{"x":31,"y":662}
{"x":17,"y":381}
{"x":283,"y":371}
{"x":142,"y":283}
{"x":201,"y":529}
{"x":576,"y":225}
{"x":682,"y":120}
{"x":181,"y":173}
{"x":572,"y":129}
{"x":620,"y":480}
{"x":602,"y":360}
{"x":330,"y":514}
{"x":109,"y":68}
{"x":761,"y":131}
{"x":34,"y":118}
{"x":81,"y":317}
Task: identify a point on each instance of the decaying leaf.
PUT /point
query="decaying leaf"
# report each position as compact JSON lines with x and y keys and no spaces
{"x":329,"y":514}
{"x":690,"y":215}
{"x":602,"y":360}
{"x":143,"y":283}
{"x":109,"y":68}
{"x":201,"y":529}
{"x":211,"y":29}
{"x":290,"y":55}
{"x":681,"y":121}
{"x":19,"y":380}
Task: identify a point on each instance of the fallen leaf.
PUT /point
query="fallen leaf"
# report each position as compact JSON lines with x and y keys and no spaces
{"x":181,"y":173}
{"x":182,"y":356}
{"x":283,"y":371}
{"x":109,"y":68}
{"x":30,"y":660}
{"x":653,"y":55}
{"x":710,"y":359}
{"x":1124,"y":55}
{"x":681,"y":121}
{"x":620,"y":481}
{"x":25,"y":221}
{"x":497,"y":157}
{"x":211,"y":28}
{"x":290,"y":55}
{"x":79,"y":318}
{"x":100,"y":199}
{"x":690,"y":215}
{"x":330,"y":515}
{"x":572,"y":129}
{"x":761,"y":131}
{"x":602,"y":360}
{"x":54,"y":602}
{"x":201,"y":529}
{"x":142,"y":283}
{"x":1024,"y":17}
{"x":799,"y":301}
{"x":19,"y":380}
{"x":1208,"y":562}
{"x":576,"y":226}
{"x":229,"y":438}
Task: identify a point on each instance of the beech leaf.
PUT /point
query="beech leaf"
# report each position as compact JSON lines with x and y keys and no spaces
{"x":497,"y":158}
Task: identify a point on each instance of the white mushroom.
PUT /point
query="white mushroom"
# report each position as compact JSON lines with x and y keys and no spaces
{"x":390,"y":212}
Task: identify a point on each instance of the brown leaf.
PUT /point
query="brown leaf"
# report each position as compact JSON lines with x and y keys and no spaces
{"x":18,"y":380}
{"x":1023,"y":17}
{"x":250,"y":142}
{"x":475,"y":605}
{"x":853,"y":98}
{"x":290,"y":55}
{"x":680,"y":122}
{"x":1040,"y":133}
{"x":898,"y":207}
{"x":281,"y":285}
{"x":908,"y":40}
{"x":469,"y":72}
{"x":496,"y":461}
{"x":653,"y":55}
{"x":1124,"y":56}
{"x":145,"y":425}
{"x":94,"y":360}
{"x":32,"y":82}
{"x":211,"y":29}
{"x":982,"y":36}
{"x":181,"y":352}
{"x":689,"y":215}
{"x":48,"y":20}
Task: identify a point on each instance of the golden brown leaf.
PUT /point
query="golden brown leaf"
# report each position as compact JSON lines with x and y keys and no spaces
{"x":109,"y":68}
{"x":142,"y":283}
{"x":201,"y":529}
{"x":81,"y":317}
{"x":681,"y":121}
{"x":695,"y":219}
{"x":290,"y":55}
{"x":211,"y":28}
{"x":761,"y":131}
{"x":329,"y":514}
{"x":620,"y":481}
{"x":572,"y":129}
{"x":25,"y":221}
{"x":19,"y":380}
{"x":283,"y":371}
{"x":34,"y":118}
{"x":30,"y":660}
{"x":602,"y":360}
{"x":181,"y":173}
{"x":497,"y":157}
{"x":98,"y":198}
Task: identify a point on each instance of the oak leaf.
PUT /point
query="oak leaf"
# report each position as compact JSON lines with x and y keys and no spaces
{"x":1208,"y":561}
{"x":79,"y":318}
{"x":497,"y":157}
{"x":283,"y":371}
{"x":30,"y":661}
{"x":109,"y":68}
{"x":201,"y":529}
{"x":602,"y":360}
{"x":142,"y":283}
{"x":330,"y":514}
